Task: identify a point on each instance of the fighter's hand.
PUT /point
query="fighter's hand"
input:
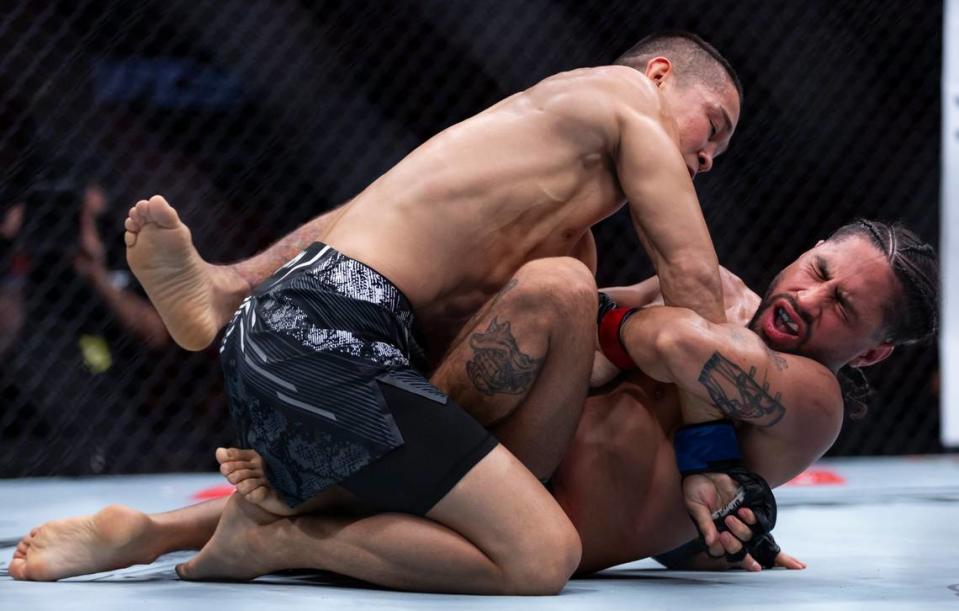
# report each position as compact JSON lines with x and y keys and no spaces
{"x":705,"y":495}
{"x":786,"y":561}
{"x":764,"y":551}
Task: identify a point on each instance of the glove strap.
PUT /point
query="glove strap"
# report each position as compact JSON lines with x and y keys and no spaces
{"x":706,"y":447}
{"x":611,"y":322}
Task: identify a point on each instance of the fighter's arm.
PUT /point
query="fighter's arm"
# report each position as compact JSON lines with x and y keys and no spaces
{"x":664,"y":208}
{"x":740,"y":301}
{"x":794,"y":404}
{"x":617,"y":110}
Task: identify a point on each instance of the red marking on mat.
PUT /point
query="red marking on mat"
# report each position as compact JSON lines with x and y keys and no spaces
{"x":817,"y":477}
{"x":214,"y":492}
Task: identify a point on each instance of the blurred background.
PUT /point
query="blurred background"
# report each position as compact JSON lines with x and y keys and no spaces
{"x":252,"y":117}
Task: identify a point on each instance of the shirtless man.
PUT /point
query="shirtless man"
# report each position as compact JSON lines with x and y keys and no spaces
{"x":850,"y":299}
{"x":322,"y":361}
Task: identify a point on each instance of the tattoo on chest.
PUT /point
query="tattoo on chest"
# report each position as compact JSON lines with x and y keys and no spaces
{"x":738,"y":394}
{"x":498,"y":365}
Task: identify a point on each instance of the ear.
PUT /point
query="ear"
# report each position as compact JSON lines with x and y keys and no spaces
{"x":873,"y":355}
{"x":820,"y":243}
{"x":658,"y":70}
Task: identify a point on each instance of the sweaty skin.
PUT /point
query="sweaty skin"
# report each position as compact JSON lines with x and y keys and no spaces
{"x":449,"y":225}
{"x":618,"y":483}
{"x":523,"y":180}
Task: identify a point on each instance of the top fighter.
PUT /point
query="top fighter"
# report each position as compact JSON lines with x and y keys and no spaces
{"x":322,"y":362}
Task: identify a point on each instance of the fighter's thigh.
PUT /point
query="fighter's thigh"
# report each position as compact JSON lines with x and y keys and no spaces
{"x":506,"y":512}
{"x":501,"y":351}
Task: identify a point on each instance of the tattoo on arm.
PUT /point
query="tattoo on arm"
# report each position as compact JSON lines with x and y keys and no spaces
{"x":778,"y":360}
{"x":738,"y":394}
{"x":498,"y":365}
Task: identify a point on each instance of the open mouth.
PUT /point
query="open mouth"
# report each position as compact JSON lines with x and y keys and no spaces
{"x":784,"y":321}
{"x":783,"y":326}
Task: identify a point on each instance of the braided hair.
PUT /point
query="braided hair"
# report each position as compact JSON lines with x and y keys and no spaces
{"x":913,"y":317}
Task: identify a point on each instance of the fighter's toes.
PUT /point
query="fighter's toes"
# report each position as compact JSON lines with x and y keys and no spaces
{"x":140,"y":212}
{"x":131,"y":224}
{"x":18,"y":568}
{"x":235,"y":454}
{"x":161,"y":212}
{"x":226,"y":468}
{"x":242,"y":475}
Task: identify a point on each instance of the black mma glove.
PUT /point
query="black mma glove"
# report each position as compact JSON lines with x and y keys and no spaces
{"x":712,"y":447}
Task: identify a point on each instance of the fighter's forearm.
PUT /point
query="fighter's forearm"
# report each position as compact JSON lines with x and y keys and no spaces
{"x":637,"y":295}
{"x":696,"y":285}
{"x":676,"y":346}
{"x":668,"y":219}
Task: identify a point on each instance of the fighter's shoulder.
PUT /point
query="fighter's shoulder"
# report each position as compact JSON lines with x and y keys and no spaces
{"x":809,"y":379}
{"x":614,"y":86}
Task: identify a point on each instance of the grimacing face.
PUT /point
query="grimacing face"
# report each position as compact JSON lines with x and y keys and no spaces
{"x":829,"y":304}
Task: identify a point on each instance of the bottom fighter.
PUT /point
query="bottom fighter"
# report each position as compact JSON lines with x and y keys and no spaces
{"x":846,"y":302}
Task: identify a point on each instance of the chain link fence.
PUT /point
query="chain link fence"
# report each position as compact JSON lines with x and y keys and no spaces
{"x":252,"y":117}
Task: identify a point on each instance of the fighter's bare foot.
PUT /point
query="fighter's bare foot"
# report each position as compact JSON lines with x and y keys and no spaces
{"x":244,"y":469}
{"x":112,"y":538}
{"x":194,"y":299}
{"x":242,"y":547}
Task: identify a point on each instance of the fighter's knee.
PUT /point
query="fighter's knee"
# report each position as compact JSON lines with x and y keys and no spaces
{"x":544,"y":568}
{"x":561,"y":282}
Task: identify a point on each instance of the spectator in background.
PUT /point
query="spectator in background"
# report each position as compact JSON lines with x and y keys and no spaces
{"x":113,"y":287}
{"x":75,"y":335}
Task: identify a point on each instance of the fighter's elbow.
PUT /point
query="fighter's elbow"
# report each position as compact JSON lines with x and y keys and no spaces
{"x":694,"y":282}
{"x":702,"y":269}
{"x":679,"y":337}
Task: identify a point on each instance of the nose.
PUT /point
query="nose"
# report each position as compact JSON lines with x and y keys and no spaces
{"x":705,"y":161}
{"x":811,"y":299}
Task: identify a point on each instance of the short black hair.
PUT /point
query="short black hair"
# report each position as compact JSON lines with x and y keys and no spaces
{"x":690,"y":54}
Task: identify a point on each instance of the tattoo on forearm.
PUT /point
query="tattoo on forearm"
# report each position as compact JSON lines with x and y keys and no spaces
{"x":498,"y":365}
{"x":738,"y":394}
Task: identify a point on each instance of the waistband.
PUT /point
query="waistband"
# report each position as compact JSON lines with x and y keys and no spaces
{"x":345,"y":276}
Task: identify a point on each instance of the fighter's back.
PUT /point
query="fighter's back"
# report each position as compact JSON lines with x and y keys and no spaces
{"x":522,"y":180}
